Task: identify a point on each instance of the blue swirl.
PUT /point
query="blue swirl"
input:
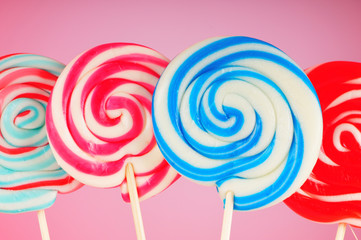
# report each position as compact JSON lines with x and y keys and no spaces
{"x":231,"y":154}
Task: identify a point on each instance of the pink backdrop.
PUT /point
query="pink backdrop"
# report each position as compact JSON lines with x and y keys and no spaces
{"x":311,"y":32}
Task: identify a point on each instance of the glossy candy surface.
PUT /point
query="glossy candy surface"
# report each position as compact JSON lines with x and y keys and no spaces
{"x":238,"y":113}
{"x":29,"y":175}
{"x":99,"y":118}
{"x":332,"y":193}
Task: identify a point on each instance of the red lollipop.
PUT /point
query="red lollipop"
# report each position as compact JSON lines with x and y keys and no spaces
{"x":332,"y":193}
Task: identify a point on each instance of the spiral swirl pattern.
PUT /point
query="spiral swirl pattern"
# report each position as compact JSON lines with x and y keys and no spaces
{"x":238,"y":113}
{"x":99,"y":118}
{"x":29,"y":175}
{"x":332,"y":193}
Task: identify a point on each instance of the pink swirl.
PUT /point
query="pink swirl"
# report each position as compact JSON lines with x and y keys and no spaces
{"x":99,"y":118}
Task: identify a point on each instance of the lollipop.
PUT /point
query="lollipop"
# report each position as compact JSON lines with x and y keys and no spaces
{"x":29,"y":175}
{"x":332,"y":192}
{"x":99,"y":120}
{"x":238,"y":113}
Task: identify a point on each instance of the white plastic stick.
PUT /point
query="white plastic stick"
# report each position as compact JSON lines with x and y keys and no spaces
{"x":134,"y":201}
{"x":353,"y":232}
{"x":227,"y":216}
{"x":340,"y":235}
{"x":43,"y":225}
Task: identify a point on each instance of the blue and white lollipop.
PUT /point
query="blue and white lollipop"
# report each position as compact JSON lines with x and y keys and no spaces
{"x":238,"y":113}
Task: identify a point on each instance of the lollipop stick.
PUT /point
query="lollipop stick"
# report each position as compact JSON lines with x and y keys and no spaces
{"x":43,"y":225}
{"x":134,"y":201}
{"x":341,"y":231}
{"x":353,"y":232}
{"x":227,"y":216}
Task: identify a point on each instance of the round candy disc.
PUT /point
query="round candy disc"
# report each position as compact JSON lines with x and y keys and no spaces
{"x":238,"y":113}
{"x":332,"y":193}
{"x":99,"y":118}
{"x":29,"y":175}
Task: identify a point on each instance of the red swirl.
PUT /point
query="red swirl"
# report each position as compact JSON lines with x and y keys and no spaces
{"x":332,"y":194}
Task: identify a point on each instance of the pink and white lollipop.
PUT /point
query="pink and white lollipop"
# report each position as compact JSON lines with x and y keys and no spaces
{"x":99,"y":119}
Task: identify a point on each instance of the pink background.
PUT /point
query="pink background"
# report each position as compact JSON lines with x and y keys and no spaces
{"x":311,"y":32}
